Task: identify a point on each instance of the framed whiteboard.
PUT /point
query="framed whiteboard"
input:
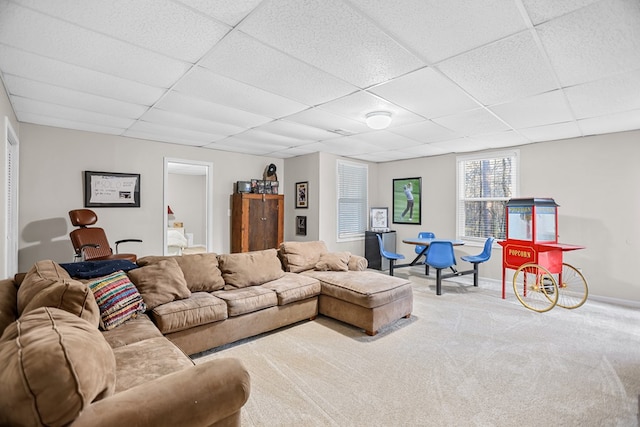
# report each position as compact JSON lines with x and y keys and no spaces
{"x":111,"y":190}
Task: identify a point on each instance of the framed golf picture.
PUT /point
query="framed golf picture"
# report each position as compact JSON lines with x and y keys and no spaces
{"x":407,"y":197}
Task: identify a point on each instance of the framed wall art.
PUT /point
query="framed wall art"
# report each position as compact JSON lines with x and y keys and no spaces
{"x":302,"y":194}
{"x":407,"y":197}
{"x":301,"y":226}
{"x":379,"y":219}
{"x":111,"y":190}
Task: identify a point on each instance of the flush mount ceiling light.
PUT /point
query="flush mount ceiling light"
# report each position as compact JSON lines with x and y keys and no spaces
{"x":379,"y":119}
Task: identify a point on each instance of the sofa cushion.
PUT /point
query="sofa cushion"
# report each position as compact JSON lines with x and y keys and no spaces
{"x":333,"y":261}
{"x":293,"y":287}
{"x":367,"y":289}
{"x":247,"y":300}
{"x":250,"y":268}
{"x":8,"y":303}
{"x":301,"y":256}
{"x":200,"y":270}
{"x":117,"y":298}
{"x":160,"y":283}
{"x":144,"y":361}
{"x":52,"y":366}
{"x":139,"y":329}
{"x":200,"y":308}
{"x":48,"y":285}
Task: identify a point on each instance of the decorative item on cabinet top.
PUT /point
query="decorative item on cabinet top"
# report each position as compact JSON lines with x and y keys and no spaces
{"x":258,"y":186}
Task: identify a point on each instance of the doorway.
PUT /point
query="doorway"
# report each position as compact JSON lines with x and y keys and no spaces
{"x":188,"y":209}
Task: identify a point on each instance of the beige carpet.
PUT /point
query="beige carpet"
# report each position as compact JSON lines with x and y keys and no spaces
{"x":466,"y":358}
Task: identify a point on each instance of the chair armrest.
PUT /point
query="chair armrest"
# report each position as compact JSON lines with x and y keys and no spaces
{"x":198,"y":396}
{"x":126,"y":241}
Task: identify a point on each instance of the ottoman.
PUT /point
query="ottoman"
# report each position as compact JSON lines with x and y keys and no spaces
{"x":366,"y":299}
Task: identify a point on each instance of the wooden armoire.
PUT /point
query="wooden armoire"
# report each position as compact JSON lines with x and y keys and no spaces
{"x":257,"y":221}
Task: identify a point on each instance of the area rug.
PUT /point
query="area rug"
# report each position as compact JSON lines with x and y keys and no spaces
{"x":466,"y":357}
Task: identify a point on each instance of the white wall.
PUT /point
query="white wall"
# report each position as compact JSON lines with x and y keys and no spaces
{"x":51,"y":164}
{"x":301,"y":169}
{"x":593,"y":179}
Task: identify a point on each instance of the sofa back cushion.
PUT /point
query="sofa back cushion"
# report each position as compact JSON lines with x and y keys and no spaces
{"x":160,"y":283}
{"x":333,"y":261}
{"x":52,"y":366}
{"x":301,"y":256}
{"x":200,"y":270}
{"x":48,"y":285}
{"x":240,"y":270}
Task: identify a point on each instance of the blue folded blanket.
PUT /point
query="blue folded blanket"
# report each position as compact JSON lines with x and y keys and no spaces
{"x":91,"y":269}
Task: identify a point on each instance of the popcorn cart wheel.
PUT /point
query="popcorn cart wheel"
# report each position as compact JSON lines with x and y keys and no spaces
{"x":541,"y":280}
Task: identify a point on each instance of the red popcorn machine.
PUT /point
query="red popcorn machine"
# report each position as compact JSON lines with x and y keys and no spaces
{"x":541,"y":279}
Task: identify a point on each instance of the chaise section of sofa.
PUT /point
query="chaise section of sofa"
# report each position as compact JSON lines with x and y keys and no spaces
{"x":349,"y":292}
{"x":58,"y":368}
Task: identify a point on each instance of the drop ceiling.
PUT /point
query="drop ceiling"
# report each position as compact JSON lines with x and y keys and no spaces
{"x":285,"y":78}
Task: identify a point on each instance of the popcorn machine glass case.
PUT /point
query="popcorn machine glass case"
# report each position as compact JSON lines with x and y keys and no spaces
{"x":533,"y":220}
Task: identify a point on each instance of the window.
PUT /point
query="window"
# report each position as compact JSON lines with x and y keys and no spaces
{"x":352,"y":200}
{"x":485,"y":184}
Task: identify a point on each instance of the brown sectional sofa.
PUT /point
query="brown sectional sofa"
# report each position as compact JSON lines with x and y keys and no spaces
{"x":139,"y":371}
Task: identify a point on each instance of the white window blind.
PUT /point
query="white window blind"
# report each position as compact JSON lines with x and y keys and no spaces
{"x":485,"y":184}
{"x":352,"y":199}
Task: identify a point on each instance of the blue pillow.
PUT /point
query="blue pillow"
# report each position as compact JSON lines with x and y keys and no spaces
{"x":92,"y":269}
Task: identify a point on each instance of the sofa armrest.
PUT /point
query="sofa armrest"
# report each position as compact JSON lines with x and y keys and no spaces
{"x":200,"y":396}
{"x":358,"y":263}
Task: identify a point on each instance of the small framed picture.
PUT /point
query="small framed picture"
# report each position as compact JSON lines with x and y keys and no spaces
{"x":302,"y":195}
{"x":301,"y":226}
{"x":379,"y":218}
{"x":407,"y":198}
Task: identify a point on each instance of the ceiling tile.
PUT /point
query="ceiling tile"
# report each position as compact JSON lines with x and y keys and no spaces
{"x":158,"y":135}
{"x":549,"y":132}
{"x":196,"y":107}
{"x":619,"y":122}
{"x":80,"y":46}
{"x":472,"y":122}
{"x":68,"y":124}
{"x":315,"y":31}
{"x":300,"y":150}
{"x":212,"y":87}
{"x":501,"y":139}
{"x":426,"y":150}
{"x":347,"y":146}
{"x":425,"y":92}
{"x":503,"y":71}
{"x":72,"y":114}
{"x":594,"y":42}
{"x":384,"y":156}
{"x":326,"y":120}
{"x":538,"y":110}
{"x":543,"y":10}
{"x":245,"y":59}
{"x":297,"y":131}
{"x":46,"y":70}
{"x":241,"y":145}
{"x":425,"y":132}
{"x":359,"y":104}
{"x":176,"y":134}
{"x":172,"y":29}
{"x":386,"y":140}
{"x":440,"y":29}
{"x":606,"y":96}
{"x":460,"y":145}
{"x":70,"y":98}
{"x":184,"y":121}
{"x":229,"y":12}
{"x":261,"y":137}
